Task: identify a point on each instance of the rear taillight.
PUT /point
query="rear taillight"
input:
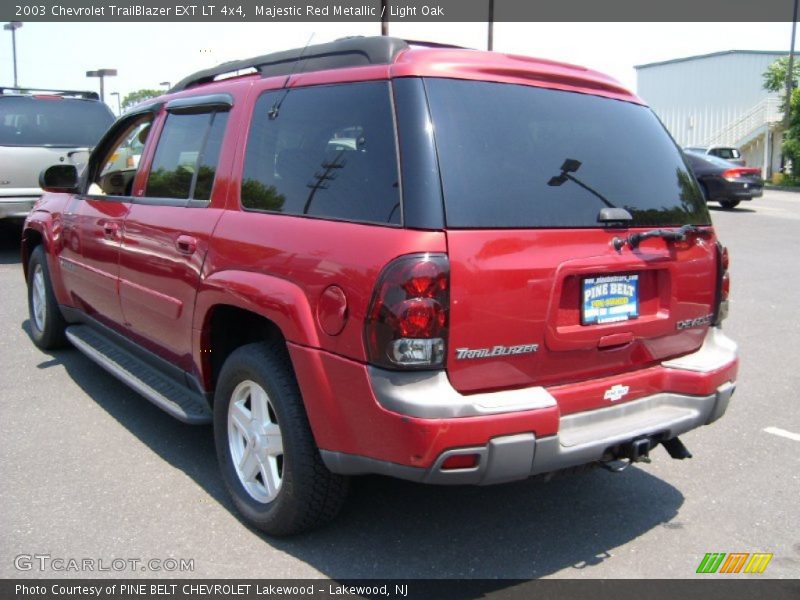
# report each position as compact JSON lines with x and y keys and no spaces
{"x":735,"y":174}
{"x":407,"y":322}
{"x":723,"y":284}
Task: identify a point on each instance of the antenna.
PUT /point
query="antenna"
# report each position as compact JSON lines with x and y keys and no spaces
{"x":276,"y":108}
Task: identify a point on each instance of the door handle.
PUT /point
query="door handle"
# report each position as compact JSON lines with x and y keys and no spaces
{"x":110,"y":229}
{"x":186,"y":244}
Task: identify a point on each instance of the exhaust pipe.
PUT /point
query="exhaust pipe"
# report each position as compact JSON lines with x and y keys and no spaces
{"x":676,"y":449}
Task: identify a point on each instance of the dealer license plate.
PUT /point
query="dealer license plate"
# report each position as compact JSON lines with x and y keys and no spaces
{"x":610,"y":298}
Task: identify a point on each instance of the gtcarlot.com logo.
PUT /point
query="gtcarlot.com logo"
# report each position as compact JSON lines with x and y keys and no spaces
{"x":47,"y":562}
{"x":734,"y":562}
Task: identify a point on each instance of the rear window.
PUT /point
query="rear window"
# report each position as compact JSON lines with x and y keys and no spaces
{"x":726,"y":153}
{"x":515,"y":156}
{"x":59,"y":122}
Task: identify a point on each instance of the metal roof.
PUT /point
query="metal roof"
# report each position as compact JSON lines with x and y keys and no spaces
{"x":775,"y":53}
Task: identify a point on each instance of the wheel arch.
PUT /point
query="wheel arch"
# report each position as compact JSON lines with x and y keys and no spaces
{"x":234,"y":308}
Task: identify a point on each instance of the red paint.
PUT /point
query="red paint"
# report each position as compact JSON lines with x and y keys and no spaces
{"x":157,"y":273}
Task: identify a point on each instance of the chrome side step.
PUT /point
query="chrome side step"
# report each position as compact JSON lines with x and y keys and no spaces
{"x":176,"y":400}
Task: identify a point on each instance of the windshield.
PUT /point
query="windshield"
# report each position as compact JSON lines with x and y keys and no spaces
{"x":60,"y":122}
{"x":518,"y":156}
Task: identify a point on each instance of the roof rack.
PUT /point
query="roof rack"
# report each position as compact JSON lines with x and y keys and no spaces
{"x":347,"y":52}
{"x":16,"y":91}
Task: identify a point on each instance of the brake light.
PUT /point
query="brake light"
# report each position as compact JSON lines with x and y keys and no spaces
{"x":407,"y":322}
{"x":734,"y":174}
{"x":723,"y":284}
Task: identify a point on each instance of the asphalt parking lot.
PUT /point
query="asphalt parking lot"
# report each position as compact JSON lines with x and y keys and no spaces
{"x":88,"y":469}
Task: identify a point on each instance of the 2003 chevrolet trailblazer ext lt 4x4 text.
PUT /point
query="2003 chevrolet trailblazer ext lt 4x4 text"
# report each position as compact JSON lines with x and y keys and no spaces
{"x":378,"y":256}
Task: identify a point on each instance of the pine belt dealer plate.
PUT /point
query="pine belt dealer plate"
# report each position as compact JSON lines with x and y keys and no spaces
{"x":610,"y":298}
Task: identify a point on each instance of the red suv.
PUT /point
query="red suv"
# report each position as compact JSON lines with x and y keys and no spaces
{"x":376,"y":256}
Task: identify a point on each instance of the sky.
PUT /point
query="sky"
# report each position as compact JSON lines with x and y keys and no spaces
{"x":57,"y":55}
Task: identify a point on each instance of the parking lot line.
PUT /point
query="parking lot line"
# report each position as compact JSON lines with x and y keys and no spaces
{"x":783,"y":433}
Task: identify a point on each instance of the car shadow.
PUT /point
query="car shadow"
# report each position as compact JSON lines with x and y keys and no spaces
{"x":10,"y":237}
{"x":738,"y":209}
{"x":396,"y":529}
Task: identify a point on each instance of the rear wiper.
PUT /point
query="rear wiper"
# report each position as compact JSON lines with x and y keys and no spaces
{"x":676,"y":235}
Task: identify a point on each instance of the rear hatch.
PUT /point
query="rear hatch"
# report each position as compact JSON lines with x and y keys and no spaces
{"x":39,"y":131}
{"x":540,"y":292}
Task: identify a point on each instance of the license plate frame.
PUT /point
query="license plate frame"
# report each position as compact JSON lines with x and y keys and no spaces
{"x":609,"y":298}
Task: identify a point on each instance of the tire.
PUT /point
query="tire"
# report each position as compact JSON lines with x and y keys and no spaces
{"x":282,"y":488}
{"x":729,"y":204}
{"x":47,"y":322}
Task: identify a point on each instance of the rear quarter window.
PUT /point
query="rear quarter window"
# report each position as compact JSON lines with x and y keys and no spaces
{"x":514,"y":156}
{"x":326,"y":151}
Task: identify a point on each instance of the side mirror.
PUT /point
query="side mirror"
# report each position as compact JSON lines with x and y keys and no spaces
{"x":59,"y":179}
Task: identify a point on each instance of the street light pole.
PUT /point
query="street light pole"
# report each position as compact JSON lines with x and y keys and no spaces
{"x":12,"y":27}
{"x":119,"y":105}
{"x":102,"y":74}
{"x":166,"y":84}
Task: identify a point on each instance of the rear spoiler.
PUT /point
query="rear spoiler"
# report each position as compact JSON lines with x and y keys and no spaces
{"x":13,"y":91}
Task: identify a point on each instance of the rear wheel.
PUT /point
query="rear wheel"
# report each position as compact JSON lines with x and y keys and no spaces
{"x":269,"y":461}
{"x":729,"y":204}
{"x":47,"y":322}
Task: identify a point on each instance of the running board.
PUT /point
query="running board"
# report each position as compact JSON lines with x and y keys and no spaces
{"x":176,"y":400}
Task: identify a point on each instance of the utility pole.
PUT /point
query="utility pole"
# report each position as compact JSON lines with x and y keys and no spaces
{"x":790,"y":70}
{"x":12,"y":27}
{"x":490,"y":40}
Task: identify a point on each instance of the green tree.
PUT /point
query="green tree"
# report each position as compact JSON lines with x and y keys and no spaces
{"x":791,"y":136}
{"x":775,"y":75}
{"x":138,"y":96}
{"x":775,"y":81}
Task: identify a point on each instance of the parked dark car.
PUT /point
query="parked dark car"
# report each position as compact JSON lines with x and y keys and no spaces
{"x":724,"y":182}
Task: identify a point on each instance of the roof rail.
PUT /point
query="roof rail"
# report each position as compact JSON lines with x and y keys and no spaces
{"x":347,"y":52}
{"x":16,"y":91}
{"x":427,"y":44}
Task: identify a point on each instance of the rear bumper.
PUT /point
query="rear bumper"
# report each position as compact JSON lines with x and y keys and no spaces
{"x":16,"y":207}
{"x":366,"y":420}
{"x":582,"y":438}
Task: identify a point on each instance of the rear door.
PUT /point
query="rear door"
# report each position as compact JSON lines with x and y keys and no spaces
{"x":168,"y":228}
{"x":541,"y":295}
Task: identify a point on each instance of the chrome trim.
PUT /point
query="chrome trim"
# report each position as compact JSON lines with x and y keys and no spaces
{"x":584,"y":437}
{"x":429,"y":395}
{"x":717,"y":351}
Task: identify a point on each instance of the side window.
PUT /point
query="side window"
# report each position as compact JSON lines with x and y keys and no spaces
{"x":326,"y":151}
{"x":118,"y":167}
{"x":186,"y":156}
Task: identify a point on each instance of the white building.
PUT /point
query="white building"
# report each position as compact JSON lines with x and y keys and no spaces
{"x":718,"y":99}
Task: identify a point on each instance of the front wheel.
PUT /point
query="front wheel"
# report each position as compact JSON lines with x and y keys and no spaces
{"x":47,"y":322}
{"x":729,"y":204}
{"x":269,"y":461}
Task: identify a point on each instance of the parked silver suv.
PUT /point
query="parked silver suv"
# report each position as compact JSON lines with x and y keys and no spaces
{"x":39,"y":128}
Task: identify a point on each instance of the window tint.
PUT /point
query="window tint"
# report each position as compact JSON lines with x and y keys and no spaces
{"x":58,"y":122}
{"x":325,"y":151}
{"x":186,"y":156}
{"x":520,"y":156}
